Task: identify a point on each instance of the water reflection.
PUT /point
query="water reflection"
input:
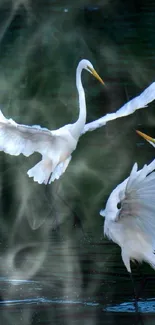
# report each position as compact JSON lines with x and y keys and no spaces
{"x":145,"y":306}
{"x":128,"y":307}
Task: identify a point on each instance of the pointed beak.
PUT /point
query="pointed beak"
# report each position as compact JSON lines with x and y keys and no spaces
{"x":145,"y":136}
{"x":95,"y":74}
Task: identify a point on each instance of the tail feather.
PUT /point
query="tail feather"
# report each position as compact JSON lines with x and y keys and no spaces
{"x":46,"y":171}
{"x":41,"y":171}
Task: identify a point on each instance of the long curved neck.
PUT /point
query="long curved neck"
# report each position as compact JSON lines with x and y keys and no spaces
{"x":79,"y":124}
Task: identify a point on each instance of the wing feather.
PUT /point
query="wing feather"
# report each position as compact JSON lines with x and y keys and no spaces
{"x":141,"y":101}
{"x":18,"y":138}
{"x":138,"y":206}
{"x":132,"y":176}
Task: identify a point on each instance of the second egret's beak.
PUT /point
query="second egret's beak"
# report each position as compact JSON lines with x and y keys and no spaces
{"x":145,"y":136}
{"x":95,"y":74}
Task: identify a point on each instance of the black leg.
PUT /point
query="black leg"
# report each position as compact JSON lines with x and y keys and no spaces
{"x":143,"y":280}
{"x":138,"y":315}
{"x":135,"y":295}
{"x":49,"y":178}
{"x":77,"y":220}
{"x":51,"y":201}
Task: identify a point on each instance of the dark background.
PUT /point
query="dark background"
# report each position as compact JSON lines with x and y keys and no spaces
{"x":65,"y":271}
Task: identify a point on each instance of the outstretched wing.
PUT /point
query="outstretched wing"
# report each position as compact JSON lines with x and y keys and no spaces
{"x":17,"y":138}
{"x":146,"y":97}
{"x":138,"y":206}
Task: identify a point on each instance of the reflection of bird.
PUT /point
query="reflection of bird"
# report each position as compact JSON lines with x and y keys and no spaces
{"x":130,"y":216}
{"x":54,"y":146}
{"x":146,"y":97}
{"x":147,"y":137}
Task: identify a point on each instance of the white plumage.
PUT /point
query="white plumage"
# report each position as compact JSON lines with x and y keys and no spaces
{"x":132,"y":225}
{"x":54,"y":146}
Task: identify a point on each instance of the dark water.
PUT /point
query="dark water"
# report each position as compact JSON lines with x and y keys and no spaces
{"x":66,"y":272}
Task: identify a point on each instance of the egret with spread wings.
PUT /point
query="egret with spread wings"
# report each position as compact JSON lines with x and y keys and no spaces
{"x":54,"y":146}
{"x":130,"y":216}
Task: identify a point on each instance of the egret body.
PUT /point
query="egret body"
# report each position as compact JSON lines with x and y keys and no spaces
{"x":130,"y":216}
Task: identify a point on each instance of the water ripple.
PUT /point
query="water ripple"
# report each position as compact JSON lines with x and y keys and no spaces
{"x":41,"y":300}
{"x":145,"y":306}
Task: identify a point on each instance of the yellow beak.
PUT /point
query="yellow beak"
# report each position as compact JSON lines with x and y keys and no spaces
{"x":95,"y":74}
{"x":145,"y":136}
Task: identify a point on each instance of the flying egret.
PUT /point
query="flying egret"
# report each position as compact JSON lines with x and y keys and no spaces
{"x":147,"y":138}
{"x":54,"y":146}
{"x":130,"y":216}
{"x":141,"y":101}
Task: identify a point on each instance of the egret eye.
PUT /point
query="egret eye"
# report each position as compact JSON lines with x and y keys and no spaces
{"x":119,"y":205}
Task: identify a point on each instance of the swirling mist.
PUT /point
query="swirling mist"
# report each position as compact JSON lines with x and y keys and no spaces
{"x":52,"y":247}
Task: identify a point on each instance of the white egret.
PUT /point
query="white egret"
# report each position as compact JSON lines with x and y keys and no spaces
{"x":147,"y":138}
{"x":141,"y":101}
{"x":54,"y":146}
{"x":130,"y":216}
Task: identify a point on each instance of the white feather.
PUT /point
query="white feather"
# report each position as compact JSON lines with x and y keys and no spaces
{"x":132,"y":175}
{"x":141,"y":101}
{"x":54,"y":146}
{"x":41,"y":171}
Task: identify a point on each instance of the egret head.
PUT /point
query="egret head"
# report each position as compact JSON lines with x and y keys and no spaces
{"x":147,"y":138}
{"x":87,"y":65}
{"x":113,"y":205}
